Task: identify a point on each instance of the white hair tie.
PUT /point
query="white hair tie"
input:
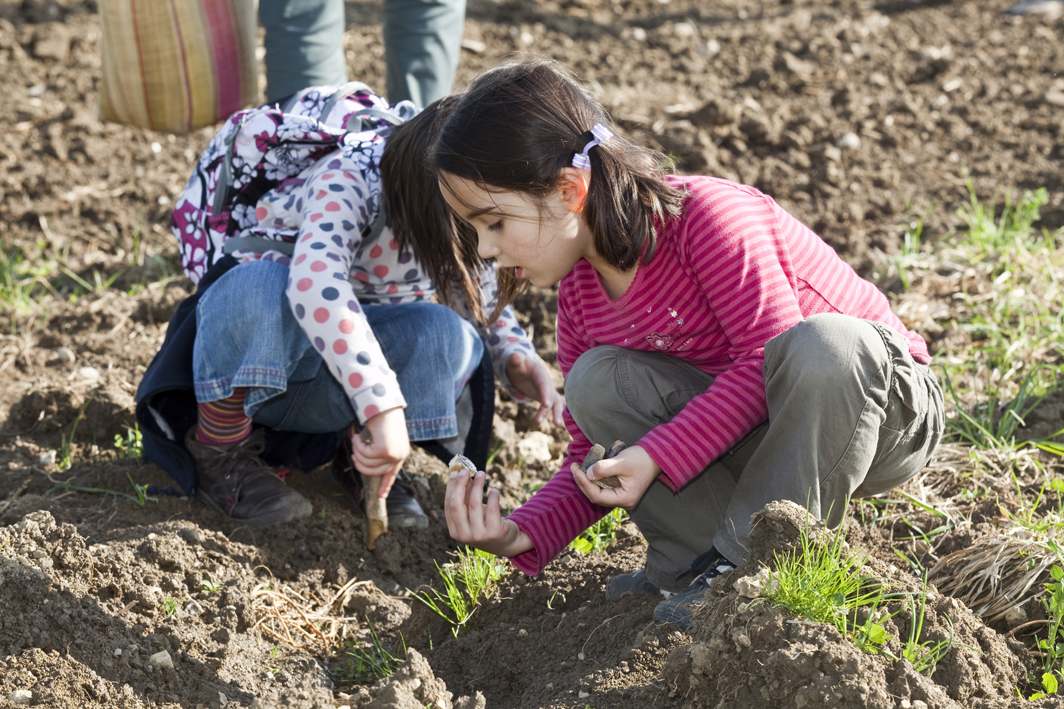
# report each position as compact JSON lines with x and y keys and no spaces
{"x":601,"y":134}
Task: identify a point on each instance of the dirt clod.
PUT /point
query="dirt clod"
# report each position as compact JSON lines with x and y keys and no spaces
{"x":414,"y":686}
{"x":805,"y":664}
{"x":863,"y":118}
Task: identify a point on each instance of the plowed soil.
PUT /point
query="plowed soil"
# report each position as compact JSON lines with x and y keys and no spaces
{"x":860,"y":117}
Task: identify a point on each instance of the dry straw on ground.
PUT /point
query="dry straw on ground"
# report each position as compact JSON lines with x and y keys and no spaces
{"x":1004,"y":570}
{"x":995,"y":573}
{"x":304,"y":622}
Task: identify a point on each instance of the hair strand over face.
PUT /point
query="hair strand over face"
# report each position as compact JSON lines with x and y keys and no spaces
{"x":417,"y":213}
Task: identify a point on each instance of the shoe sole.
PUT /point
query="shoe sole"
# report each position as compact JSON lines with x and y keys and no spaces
{"x":641,"y":588}
{"x":614,"y":596}
{"x":270,"y":518}
{"x":408,"y":522}
{"x":684,"y":623}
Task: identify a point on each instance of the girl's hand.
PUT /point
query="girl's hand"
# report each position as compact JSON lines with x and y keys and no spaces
{"x":633,"y":468}
{"x":381,"y":447}
{"x":531,"y":377}
{"x":471,"y":521}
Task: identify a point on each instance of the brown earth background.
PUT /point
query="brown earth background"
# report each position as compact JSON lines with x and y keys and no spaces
{"x":861,"y":118}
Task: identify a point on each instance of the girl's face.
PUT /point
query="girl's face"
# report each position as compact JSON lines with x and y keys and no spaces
{"x":540,"y":239}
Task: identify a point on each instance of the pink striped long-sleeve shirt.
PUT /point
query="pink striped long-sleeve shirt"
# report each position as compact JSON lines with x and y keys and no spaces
{"x":730,"y":273}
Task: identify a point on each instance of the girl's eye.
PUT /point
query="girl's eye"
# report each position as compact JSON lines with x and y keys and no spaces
{"x":497,"y":226}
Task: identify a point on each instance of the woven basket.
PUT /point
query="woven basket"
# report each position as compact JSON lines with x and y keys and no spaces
{"x":177,"y":65}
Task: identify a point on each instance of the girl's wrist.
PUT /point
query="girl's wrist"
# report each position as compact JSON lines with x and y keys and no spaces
{"x":517,"y":542}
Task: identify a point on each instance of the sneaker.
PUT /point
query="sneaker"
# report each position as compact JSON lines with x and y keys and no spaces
{"x":634,"y":582}
{"x":236,"y":481}
{"x":404,"y":511}
{"x":678,"y":609}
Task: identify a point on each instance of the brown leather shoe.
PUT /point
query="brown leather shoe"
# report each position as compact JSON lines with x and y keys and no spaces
{"x":234,"y":480}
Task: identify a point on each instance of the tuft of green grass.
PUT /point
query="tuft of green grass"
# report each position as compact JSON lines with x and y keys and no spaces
{"x":991,"y":229}
{"x":170,"y":606}
{"x":19,"y":281}
{"x":601,"y":535}
{"x":65,"y":455}
{"x":130,"y":445}
{"x":470,"y":579}
{"x":899,"y":510}
{"x":1042,"y":513}
{"x":820,"y":581}
{"x":370,"y":661}
{"x":81,"y":286}
{"x":993,"y":424}
{"x":1052,"y":645}
{"x":909,"y":253}
{"x":1007,"y":323}
{"x":923,"y":654}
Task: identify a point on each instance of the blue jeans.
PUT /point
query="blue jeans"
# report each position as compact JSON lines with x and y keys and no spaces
{"x":247,"y":337}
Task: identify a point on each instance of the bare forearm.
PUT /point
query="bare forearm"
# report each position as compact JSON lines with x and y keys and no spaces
{"x":516,"y":541}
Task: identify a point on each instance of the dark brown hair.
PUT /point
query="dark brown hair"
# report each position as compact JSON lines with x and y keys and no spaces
{"x":515,"y":129}
{"x":417,"y":214}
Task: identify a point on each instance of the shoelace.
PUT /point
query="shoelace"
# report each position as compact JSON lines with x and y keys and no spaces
{"x":241,"y":461}
{"x":707,"y":576}
{"x":708,"y":566}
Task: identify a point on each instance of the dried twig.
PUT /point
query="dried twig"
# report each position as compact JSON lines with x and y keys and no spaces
{"x":1025,"y":626}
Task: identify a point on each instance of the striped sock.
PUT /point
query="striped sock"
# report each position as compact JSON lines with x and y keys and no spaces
{"x":223,"y":422}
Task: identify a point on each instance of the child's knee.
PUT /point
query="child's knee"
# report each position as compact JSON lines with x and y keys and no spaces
{"x":450,"y":335}
{"x":242,"y":294}
{"x":822,"y":349}
{"x":592,"y":384}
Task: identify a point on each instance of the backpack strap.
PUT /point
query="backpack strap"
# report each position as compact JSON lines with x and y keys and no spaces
{"x":261,"y":244}
{"x":377,"y":227}
{"x":224,"y":184}
{"x":351,"y":87}
{"x":256,"y":245}
{"x":353,"y":122}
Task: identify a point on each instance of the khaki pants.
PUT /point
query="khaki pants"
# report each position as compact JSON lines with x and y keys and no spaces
{"x":849,"y":414}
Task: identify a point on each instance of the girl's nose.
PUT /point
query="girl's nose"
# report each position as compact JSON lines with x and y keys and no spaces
{"x":486,"y":247}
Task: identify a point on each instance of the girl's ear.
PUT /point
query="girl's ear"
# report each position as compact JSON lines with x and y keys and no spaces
{"x":572,"y":188}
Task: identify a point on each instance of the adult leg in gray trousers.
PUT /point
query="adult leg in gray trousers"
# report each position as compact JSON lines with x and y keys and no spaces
{"x":422,"y":39}
{"x":304,"y":46}
{"x":849,"y":413}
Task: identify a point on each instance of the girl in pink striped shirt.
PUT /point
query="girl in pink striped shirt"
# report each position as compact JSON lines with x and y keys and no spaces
{"x":725,"y":343}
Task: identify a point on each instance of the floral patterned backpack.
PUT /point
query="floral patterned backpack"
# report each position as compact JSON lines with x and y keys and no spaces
{"x":258,"y":149}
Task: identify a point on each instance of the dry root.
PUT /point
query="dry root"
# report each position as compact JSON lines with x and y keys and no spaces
{"x":996,"y":573}
{"x":312,"y":623}
{"x":954,"y":463}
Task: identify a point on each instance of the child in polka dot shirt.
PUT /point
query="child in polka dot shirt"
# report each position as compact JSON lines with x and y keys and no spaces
{"x":345,"y":332}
